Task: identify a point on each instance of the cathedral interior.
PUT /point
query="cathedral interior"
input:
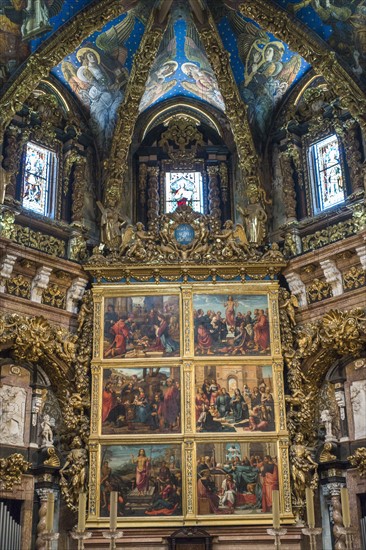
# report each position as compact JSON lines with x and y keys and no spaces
{"x":183,"y":274}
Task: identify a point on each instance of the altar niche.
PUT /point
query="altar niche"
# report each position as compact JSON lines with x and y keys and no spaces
{"x":185,"y":431}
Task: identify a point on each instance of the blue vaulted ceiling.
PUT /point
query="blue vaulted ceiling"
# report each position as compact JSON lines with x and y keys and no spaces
{"x":264,"y":68}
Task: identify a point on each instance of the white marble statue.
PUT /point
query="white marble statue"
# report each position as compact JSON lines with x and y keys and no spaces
{"x":46,"y":433}
{"x":12,"y":415}
{"x":326,"y":418}
{"x":358,"y":400}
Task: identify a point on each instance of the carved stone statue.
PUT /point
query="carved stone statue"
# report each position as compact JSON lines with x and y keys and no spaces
{"x":111,"y":225}
{"x":46,"y":433}
{"x":12,"y":415}
{"x":326,"y":418}
{"x":73,"y":473}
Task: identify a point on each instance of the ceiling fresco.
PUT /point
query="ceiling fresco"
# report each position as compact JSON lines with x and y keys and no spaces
{"x":264,"y":68}
{"x":340,"y":23}
{"x":97,"y":72}
{"x":181,"y":68}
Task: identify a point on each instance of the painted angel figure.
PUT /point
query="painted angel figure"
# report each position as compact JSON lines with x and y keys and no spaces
{"x":163,"y":68}
{"x":199,"y":69}
{"x":267,"y":76}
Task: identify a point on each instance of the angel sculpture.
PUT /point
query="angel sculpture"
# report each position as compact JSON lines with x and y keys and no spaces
{"x":267,"y":76}
{"x":198,"y":69}
{"x":163,"y":68}
{"x":289,"y":304}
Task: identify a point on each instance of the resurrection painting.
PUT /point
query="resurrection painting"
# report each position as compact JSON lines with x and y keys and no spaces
{"x":236,"y":478}
{"x":141,"y":400}
{"x":148,"y":479}
{"x":231,"y":325}
{"x":234,"y":398}
{"x":141,"y":326}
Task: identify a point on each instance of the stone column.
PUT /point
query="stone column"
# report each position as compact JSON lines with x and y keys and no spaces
{"x":288,"y":186}
{"x":142,"y":183}
{"x":42,"y":513}
{"x":332,"y":491}
{"x":213,"y":192}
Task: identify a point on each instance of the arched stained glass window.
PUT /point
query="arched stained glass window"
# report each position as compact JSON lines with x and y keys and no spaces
{"x":183,"y":186}
{"x":39,"y":177}
{"x":329,"y":184}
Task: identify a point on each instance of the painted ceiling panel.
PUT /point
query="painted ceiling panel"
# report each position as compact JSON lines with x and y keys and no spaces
{"x":341,"y":23}
{"x":97,"y":72}
{"x":264,"y":68}
{"x":181,"y":68}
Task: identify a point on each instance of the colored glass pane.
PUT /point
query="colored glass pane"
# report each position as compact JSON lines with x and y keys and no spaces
{"x":183,"y":185}
{"x":329,"y":176}
{"x":37,"y":178}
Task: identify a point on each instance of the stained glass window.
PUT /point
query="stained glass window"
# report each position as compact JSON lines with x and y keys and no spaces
{"x":39,"y":169}
{"x":329,"y":179}
{"x":183,"y":185}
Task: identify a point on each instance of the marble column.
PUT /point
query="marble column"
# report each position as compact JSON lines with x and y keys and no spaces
{"x":332,"y":492}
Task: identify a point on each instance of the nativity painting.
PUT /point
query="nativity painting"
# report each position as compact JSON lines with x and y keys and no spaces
{"x":231,"y":325}
{"x":148,"y":479}
{"x":236,"y":478}
{"x":141,"y":326}
{"x":141,"y":400}
{"x":234,"y":398}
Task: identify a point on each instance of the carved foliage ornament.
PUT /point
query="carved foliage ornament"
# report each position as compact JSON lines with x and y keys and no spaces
{"x":358,"y":460}
{"x":11,"y":470}
{"x":181,"y":139}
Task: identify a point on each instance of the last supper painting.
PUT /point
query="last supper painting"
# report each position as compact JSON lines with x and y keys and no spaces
{"x":147,"y":478}
{"x":231,"y":325}
{"x":141,"y":326}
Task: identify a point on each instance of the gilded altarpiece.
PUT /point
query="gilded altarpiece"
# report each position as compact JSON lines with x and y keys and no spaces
{"x":188,"y":413}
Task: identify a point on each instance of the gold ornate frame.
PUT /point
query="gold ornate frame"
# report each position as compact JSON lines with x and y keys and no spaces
{"x":189,"y":438}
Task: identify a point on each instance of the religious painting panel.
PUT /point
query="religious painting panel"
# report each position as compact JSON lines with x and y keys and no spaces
{"x":236,"y":478}
{"x":143,"y":326}
{"x":234,"y":397}
{"x":231,"y":325}
{"x":141,"y":400}
{"x":147,"y":477}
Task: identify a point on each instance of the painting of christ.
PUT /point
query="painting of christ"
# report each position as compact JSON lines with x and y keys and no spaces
{"x":236,"y":478}
{"x":141,"y":326}
{"x":141,"y":400}
{"x":148,"y":479}
{"x":234,"y":398}
{"x":231,"y":325}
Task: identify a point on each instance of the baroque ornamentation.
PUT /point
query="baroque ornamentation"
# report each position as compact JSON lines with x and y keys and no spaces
{"x":354,"y":278}
{"x":64,"y":356}
{"x":54,"y":296}
{"x":318,"y":290}
{"x":19,"y":286}
{"x":35,"y":239}
{"x":358,"y":460}
{"x":181,"y":139}
{"x":328,"y":235}
{"x":324,"y":61}
{"x":64,"y":42}
{"x":184,"y":236}
{"x":255,"y":215}
{"x":11,"y":470}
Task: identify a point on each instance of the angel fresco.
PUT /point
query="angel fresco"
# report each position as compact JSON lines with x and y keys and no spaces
{"x":163,"y":68}
{"x":267,"y":76}
{"x":347,"y":20}
{"x":199,"y":70}
{"x":100,"y":78}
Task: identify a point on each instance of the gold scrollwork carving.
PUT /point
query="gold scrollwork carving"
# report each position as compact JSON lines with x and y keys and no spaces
{"x":358,"y":460}
{"x":354,"y":278}
{"x":54,"y":296}
{"x":18,"y":286}
{"x":11,"y":470}
{"x":35,"y":239}
{"x":318,"y":290}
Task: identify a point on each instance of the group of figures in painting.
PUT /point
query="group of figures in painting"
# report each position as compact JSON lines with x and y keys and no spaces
{"x":148,"y":326}
{"x":232,"y":478}
{"x":141,"y":400}
{"x":146,"y":399}
{"x":148,"y":480}
{"x":232,"y":325}
{"x":236,"y":477}
{"x":227,"y":408}
{"x":142,"y":326}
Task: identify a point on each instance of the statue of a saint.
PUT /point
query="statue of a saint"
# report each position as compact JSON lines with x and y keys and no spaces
{"x":255,"y":217}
